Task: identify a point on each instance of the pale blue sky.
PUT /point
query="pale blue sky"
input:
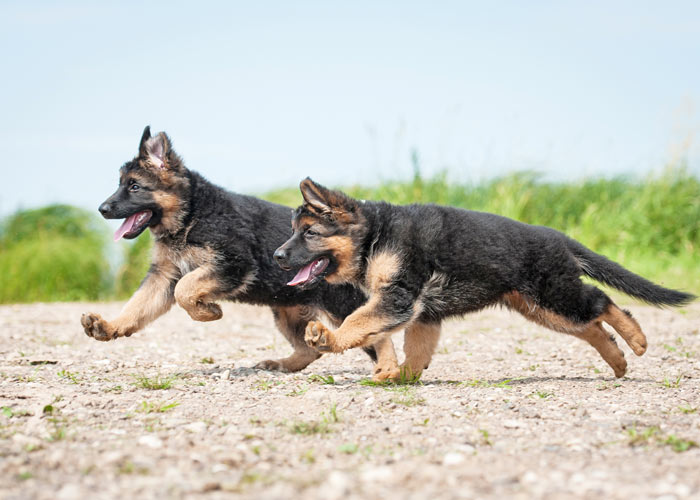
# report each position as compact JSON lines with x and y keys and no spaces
{"x":257,"y":95}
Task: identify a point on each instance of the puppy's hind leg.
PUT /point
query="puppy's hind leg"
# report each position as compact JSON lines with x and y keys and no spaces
{"x":591,"y":330}
{"x":420,"y":341}
{"x":606,"y":346}
{"x":292,"y":321}
{"x":627,"y":327}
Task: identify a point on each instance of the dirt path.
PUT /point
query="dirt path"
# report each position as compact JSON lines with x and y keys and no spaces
{"x":507,"y":409}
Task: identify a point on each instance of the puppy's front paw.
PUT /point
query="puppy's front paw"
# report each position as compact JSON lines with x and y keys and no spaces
{"x":386,"y":371}
{"x":318,"y":336}
{"x":272,"y":365}
{"x":96,"y":327}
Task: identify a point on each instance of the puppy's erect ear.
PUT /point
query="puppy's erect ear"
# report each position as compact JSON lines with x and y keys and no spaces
{"x":144,"y":137}
{"x":315,"y":195}
{"x":155,"y":149}
{"x":326,"y":201}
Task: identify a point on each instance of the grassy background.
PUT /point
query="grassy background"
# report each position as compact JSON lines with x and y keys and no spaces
{"x":651,"y":226}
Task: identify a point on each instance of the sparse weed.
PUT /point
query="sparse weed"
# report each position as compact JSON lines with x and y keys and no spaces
{"x":636,"y":437}
{"x":503,"y":384}
{"x":58,"y":433}
{"x":23,"y":476}
{"x":156,"y":407}
{"x":672,"y":383}
{"x":299,"y":391}
{"x":406,"y":396}
{"x":156,"y":383}
{"x":65,"y":374}
{"x":10,"y":412}
{"x":368,"y":382}
{"x":543,"y":394}
{"x":327,"y":380}
{"x":266,"y":385}
{"x":652,"y":435}
{"x":348,"y":448}
{"x":322,"y":426}
{"x":128,"y":467}
{"x":207,"y":361}
{"x":485,"y":437}
{"x":679,"y":445}
{"x":308,"y":456}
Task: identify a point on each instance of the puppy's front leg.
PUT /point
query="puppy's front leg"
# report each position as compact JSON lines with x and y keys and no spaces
{"x":153,"y":299}
{"x":383,"y":314}
{"x":197,"y":291}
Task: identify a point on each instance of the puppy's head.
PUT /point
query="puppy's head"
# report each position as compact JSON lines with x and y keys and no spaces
{"x":151,"y":189}
{"x":329,"y":230}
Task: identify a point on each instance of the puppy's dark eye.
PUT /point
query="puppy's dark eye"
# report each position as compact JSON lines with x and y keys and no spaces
{"x":311,"y":233}
{"x":134,"y":187}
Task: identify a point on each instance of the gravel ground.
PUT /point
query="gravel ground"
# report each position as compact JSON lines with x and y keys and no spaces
{"x":507,"y":409}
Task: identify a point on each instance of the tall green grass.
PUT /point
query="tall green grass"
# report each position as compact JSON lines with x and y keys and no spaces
{"x":651,"y":226}
{"x":53,"y":253}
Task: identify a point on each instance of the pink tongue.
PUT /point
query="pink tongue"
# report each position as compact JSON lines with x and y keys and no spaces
{"x":302,"y":275}
{"x":125,"y":227}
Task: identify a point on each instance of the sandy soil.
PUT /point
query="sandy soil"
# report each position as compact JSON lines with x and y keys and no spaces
{"x":507,"y":409}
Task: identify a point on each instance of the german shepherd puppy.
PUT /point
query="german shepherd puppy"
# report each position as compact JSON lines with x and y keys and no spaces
{"x":213,"y":245}
{"x":420,"y":264}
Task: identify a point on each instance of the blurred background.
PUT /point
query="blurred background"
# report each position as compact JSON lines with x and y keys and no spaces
{"x":580,"y":116}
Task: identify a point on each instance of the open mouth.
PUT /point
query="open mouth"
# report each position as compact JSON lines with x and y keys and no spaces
{"x":133,"y":225}
{"x":310,"y":272}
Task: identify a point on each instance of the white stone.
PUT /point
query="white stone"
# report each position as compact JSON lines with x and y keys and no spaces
{"x":151,"y":441}
{"x":195,"y":427}
{"x":453,"y":458}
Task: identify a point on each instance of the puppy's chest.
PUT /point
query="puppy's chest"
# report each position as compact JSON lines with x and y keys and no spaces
{"x":185,"y":260}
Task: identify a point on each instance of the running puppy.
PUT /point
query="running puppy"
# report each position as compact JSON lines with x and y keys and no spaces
{"x":212,"y":245}
{"x":420,"y":264}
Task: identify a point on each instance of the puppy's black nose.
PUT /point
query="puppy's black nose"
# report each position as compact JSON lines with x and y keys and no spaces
{"x":105,"y":208}
{"x":280,"y":257}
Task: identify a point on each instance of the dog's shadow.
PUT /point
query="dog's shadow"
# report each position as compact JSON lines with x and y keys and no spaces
{"x":357,"y":377}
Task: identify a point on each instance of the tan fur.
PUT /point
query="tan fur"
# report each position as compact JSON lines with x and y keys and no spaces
{"x":196,"y":293}
{"x":366,"y":325}
{"x":345,"y":254}
{"x":381,"y":268}
{"x":420,"y":341}
{"x":154,"y":297}
{"x":539,"y":315}
{"x":171,"y":220}
{"x":627,"y":327}
{"x":303,"y":221}
{"x":151,"y":300}
{"x":596,"y":335}
{"x":592,"y":332}
{"x":386,"y":368}
{"x":289,"y":320}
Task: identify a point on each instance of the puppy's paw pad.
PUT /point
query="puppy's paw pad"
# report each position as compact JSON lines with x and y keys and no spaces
{"x":317,"y":336}
{"x":95,"y":327}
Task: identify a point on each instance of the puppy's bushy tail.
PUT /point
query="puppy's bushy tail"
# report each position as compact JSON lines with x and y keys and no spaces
{"x":613,"y":274}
